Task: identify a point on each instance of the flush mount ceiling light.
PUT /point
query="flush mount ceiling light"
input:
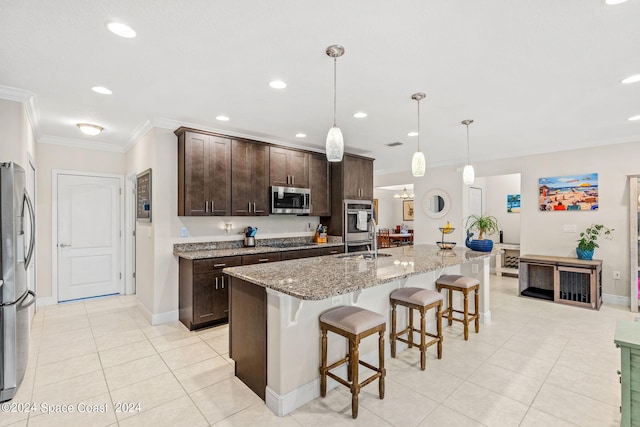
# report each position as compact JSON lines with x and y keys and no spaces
{"x":335,"y":142}
{"x":468,"y":174}
{"x":404,"y":195}
{"x":632,"y":79}
{"x":360,"y":115}
{"x":121,"y":30}
{"x":222,"y":118}
{"x":301,"y":135}
{"x":418,"y":162}
{"x":89,"y":129}
{"x":613,"y":2}
{"x":412,"y":134}
{"x":277,"y":84}
{"x":102,"y":90}
{"x":634,"y":118}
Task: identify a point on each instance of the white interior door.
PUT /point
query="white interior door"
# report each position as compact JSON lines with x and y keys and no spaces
{"x":89,"y":242}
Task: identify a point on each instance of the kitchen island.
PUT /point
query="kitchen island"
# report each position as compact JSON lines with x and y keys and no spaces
{"x":274,"y":333}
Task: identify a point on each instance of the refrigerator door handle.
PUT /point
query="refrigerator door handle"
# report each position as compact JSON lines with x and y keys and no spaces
{"x":22,"y":306}
{"x":32,"y":239}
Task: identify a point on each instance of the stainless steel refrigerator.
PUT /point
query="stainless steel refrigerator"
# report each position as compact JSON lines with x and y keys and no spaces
{"x":16,"y":250}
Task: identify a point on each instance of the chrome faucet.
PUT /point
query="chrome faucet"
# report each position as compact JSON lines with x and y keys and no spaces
{"x":373,"y":234}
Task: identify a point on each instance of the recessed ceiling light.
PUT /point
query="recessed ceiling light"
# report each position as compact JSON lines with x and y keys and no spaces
{"x":301,"y":135}
{"x":614,"y":2}
{"x":277,"y":84}
{"x":222,"y":118}
{"x":412,"y":134}
{"x":102,"y":90}
{"x":89,"y":129}
{"x":121,"y":30}
{"x":360,"y":115}
{"x":632,"y":79}
{"x":634,"y":118}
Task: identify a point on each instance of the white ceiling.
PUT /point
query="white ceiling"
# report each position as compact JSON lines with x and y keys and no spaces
{"x":536,"y":76}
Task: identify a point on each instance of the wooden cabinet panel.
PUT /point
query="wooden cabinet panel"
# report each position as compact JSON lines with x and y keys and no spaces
{"x":319,"y":185}
{"x":288,"y":168}
{"x":358,"y":178}
{"x":204,"y":174}
{"x":250,"y":177}
{"x":204,"y":296}
{"x":260,"y":258}
{"x":209,"y":265}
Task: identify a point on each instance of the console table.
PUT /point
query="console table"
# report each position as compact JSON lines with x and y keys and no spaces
{"x":560,"y":279}
{"x":507,"y":255}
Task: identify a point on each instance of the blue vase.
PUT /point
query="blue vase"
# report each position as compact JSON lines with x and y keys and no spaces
{"x":478,"y":245}
{"x":584,"y":253}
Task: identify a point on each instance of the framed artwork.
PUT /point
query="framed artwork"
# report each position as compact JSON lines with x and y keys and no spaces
{"x":569,"y":193}
{"x":407,"y":210}
{"x":143,"y":196}
{"x":513,"y":203}
{"x":375,"y":210}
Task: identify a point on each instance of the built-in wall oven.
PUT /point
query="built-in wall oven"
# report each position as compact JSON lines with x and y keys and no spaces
{"x":357,"y":214}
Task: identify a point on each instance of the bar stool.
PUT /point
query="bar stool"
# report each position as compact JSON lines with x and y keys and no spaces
{"x":464,"y":284}
{"x":422,"y":300}
{"x":353,"y":323}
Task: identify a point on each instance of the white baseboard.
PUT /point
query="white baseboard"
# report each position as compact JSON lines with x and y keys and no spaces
{"x":159,"y":318}
{"x":44,"y":301}
{"x":616,"y":299}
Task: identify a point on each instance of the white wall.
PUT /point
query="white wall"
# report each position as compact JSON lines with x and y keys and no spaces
{"x":542,"y":232}
{"x":389,"y":209}
{"x":496,"y":190}
{"x":16,"y":136}
{"x":52,"y":157}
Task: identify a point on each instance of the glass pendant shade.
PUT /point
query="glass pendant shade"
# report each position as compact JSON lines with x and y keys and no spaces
{"x":418,"y":164}
{"x":468,"y":175}
{"x":335,"y":145}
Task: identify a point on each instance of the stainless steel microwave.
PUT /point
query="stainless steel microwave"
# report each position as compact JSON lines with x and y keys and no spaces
{"x":290,"y":200}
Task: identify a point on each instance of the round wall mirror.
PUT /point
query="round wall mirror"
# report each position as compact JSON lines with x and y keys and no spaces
{"x":436,"y":203}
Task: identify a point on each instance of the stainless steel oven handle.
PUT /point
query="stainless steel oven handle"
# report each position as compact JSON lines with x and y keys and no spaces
{"x":32,"y":239}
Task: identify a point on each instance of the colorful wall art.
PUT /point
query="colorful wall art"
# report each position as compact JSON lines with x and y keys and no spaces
{"x":513,"y":203}
{"x":569,"y":193}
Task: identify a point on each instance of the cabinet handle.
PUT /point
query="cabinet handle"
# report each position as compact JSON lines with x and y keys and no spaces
{"x":206,"y":315}
{"x":206,"y":206}
{"x":249,"y":207}
{"x":263,"y":260}
{"x":212,"y":208}
{"x":222,"y":281}
{"x":293,"y":180}
{"x":216,"y":283}
{"x":333,"y":252}
{"x":219,"y":265}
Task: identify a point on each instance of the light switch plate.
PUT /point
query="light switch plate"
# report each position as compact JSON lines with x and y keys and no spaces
{"x":183,"y":232}
{"x":570,"y":228}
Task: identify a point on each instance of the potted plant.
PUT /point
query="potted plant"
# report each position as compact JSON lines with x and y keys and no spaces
{"x":484,"y":224}
{"x":587,"y":242}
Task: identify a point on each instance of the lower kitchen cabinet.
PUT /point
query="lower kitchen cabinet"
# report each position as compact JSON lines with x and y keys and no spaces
{"x":627,"y":338}
{"x":204,"y":291}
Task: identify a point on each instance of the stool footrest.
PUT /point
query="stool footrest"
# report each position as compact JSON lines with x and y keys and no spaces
{"x":417,"y":344}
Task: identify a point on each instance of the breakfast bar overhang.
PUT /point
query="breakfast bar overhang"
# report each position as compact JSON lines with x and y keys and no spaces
{"x":274,"y":335}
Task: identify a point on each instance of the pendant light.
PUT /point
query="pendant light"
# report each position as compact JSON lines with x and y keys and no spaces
{"x":468,"y":174}
{"x":418,"y":162}
{"x":335,"y":142}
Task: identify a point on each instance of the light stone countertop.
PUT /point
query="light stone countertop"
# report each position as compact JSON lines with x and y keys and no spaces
{"x":195,"y":253}
{"x":322,"y":277}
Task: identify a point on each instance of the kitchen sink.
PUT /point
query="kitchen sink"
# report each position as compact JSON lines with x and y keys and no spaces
{"x":361,"y":255}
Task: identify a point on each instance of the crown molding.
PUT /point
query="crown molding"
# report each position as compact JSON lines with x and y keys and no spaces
{"x":138,"y":133}
{"x":28,"y":99}
{"x":15,"y":94}
{"x":79,"y":143}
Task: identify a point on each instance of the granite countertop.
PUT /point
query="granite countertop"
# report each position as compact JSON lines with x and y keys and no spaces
{"x":322,"y":277}
{"x":201,"y":251}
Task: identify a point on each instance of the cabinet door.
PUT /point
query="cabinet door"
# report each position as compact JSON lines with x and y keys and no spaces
{"x":240,"y":177}
{"x":352,"y":173}
{"x":219,"y":176}
{"x":278,"y":173}
{"x":319,"y":185}
{"x":298,"y":168}
{"x":204,"y":297}
{"x":260,"y":179}
{"x":195,"y":191}
{"x":221,"y":303}
{"x":366,"y":179}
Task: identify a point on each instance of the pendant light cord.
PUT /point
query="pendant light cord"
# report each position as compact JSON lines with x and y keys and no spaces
{"x":418,"y":125}
{"x":468,"y":156}
{"x":335,"y":78}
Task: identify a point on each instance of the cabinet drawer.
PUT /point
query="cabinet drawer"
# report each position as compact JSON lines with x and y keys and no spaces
{"x":333,"y":250}
{"x":212,"y":264}
{"x":260,"y":258}
{"x":297,"y":254}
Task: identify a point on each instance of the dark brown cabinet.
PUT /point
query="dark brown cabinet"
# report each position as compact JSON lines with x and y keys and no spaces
{"x":250,"y":177}
{"x":204,"y":174}
{"x":204,"y":291}
{"x":357,"y":177}
{"x":288,"y":168}
{"x":260,"y":258}
{"x":319,"y":185}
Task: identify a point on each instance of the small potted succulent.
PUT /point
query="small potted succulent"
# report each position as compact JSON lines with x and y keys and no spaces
{"x":587,"y":243}
{"x":484,"y":224}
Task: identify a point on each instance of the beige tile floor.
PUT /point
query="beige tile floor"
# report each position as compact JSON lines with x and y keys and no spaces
{"x":536,"y":364}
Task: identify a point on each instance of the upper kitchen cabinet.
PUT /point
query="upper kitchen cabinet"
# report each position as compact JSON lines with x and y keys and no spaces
{"x":319,"y":185}
{"x":288,"y":168}
{"x":357,"y":177}
{"x":204,"y":174}
{"x":250,"y":175}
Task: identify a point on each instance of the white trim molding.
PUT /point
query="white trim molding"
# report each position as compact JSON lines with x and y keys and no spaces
{"x":616,"y":299}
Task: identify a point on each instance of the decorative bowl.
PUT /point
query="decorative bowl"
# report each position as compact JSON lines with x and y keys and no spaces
{"x":447,"y":230}
{"x":446,"y":245}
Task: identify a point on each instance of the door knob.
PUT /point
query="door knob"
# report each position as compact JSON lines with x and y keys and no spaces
{"x":63,"y":245}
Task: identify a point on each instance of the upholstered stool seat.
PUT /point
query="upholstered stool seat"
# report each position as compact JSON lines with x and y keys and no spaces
{"x":353,"y":323}
{"x":422,"y":300}
{"x":464,"y":284}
